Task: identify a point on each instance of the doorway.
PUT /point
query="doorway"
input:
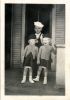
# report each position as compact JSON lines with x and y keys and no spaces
{"x":37,"y":12}
{"x":8,"y":16}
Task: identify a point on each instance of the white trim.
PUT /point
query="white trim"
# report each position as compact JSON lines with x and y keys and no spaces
{"x":23,"y":31}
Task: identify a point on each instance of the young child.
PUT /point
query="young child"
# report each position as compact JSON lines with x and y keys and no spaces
{"x":30,"y":55}
{"x":43,"y":58}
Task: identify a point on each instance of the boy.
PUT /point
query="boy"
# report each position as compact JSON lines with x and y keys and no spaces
{"x":30,"y":55}
{"x":43,"y":58}
{"x":38,"y":26}
{"x":38,"y":33}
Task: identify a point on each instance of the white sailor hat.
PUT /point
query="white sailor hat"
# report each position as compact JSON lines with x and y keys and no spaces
{"x":38,"y":24}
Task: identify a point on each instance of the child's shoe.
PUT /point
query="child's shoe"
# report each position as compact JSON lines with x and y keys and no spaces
{"x":24,"y":79}
{"x":30,"y":79}
{"x":36,"y":79}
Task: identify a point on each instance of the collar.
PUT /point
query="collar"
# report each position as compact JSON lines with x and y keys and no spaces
{"x":37,"y":33}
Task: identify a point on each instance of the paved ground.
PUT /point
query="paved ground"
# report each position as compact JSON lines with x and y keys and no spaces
{"x":14,"y":87}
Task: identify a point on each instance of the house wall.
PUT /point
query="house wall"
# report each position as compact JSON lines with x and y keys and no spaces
{"x":58,"y":37}
{"x":60,"y":67}
{"x":16,"y":35}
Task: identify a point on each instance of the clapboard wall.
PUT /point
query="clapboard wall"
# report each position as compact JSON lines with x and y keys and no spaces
{"x":60,"y":24}
{"x":60,"y":41}
{"x":16,"y":35}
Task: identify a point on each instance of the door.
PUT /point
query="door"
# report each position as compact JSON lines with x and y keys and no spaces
{"x":38,"y":12}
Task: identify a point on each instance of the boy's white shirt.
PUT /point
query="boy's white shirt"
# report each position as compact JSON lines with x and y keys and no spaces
{"x":39,"y":35}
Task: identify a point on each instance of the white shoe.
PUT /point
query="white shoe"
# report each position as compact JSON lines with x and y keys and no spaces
{"x":31,"y":81}
{"x":23,"y":81}
{"x":36,"y":79}
{"x":44,"y":82}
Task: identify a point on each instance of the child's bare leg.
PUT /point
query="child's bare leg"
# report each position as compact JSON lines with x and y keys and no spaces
{"x":45,"y":75}
{"x":24,"y":75}
{"x":38,"y":74}
{"x":30,"y":75}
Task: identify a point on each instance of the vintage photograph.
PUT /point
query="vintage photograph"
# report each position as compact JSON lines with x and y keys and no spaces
{"x":35,"y":49}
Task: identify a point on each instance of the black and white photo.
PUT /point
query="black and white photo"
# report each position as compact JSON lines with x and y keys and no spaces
{"x":35,"y":49}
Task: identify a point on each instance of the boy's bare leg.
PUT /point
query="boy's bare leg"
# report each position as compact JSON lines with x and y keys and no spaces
{"x":30,"y":75}
{"x":24,"y":75}
{"x":38,"y":74}
{"x":45,"y":75}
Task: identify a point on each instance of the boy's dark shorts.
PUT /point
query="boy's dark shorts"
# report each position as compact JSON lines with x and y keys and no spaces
{"x":29,"y":61}
{"x":44,"y":62}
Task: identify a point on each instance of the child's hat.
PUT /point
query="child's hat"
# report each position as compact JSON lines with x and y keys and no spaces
{"x":38,"y":24}
{"x":32,"y":36}
{"x":45,"y":36}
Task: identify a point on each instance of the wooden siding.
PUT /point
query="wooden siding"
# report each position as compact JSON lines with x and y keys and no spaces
{"x":60,"y":24}
{"x":16,"y":35}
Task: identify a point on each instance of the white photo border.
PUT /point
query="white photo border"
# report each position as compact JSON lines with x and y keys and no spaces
{"x":67,"y":50}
